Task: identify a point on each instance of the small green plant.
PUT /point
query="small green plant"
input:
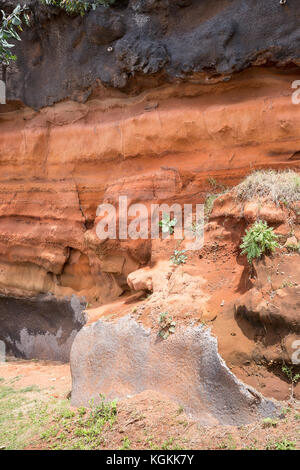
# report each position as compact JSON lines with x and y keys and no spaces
{"x":126,"y":444}
{"x":284,"y":445}
{"x":286,"y":284}
{"x":293,"y":378}
{"x":170,"y":444}
{"x":77,"y":7}
{"x":285,"y":411}
{"x":81,"y":411}
{"x":179,"y":257}
{"x":167,"y":224}
{"x":104,"y":411}
{"x":209,"y":203}
{"x":269,"y":423}
{"x":10,"y":26}
{"x":228,"y":444}
{"x":166,"y":325}
{"x":294,"y":247}
{"x":196,"y":228}
{"x":259,"y":239}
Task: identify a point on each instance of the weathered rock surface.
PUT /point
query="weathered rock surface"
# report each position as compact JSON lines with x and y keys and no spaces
{"x":120,"y":359}
{"x":62,"y":56}
{"x":41,"y":327}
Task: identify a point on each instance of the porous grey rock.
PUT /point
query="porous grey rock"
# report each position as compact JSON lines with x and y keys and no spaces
{"x":63,"y":56}
{"x":41,"y":327}
{"x":123,"y":358}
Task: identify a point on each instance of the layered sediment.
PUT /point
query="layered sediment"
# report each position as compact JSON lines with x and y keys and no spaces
{"x":60,"y":163}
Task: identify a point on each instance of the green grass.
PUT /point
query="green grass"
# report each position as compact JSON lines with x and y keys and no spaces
{"x":30,"y":418}
{"x":21,"y":416}
{"x":28,"y":415}
{"x":83,"y":429}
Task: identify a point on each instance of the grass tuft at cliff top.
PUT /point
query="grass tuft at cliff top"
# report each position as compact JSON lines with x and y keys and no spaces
{"x":270,"y":185}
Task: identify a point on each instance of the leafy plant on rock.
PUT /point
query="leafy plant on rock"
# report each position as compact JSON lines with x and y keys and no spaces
{"x":293,"y":378}
{"x":77,"y":7}
{"x":166,"y":325}
{"x":167,"y":224}
{"x":293,"y":247}
{"x":10,"y":27}
{"x":259,"y":239}
{"x":179,"y":257}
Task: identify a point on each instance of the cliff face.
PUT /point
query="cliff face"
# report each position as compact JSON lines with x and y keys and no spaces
{"x":60,"y":163}
{"x":141,"y":100}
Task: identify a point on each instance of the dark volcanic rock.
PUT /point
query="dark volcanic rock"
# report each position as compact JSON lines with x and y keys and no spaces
{"x":63,"y":56}
{"x":104,"y":26}
{"x":117,"y":359}
{"x":42,"y":327}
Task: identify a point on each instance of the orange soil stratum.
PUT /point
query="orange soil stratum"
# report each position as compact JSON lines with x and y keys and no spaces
{"x":59,"y":164}
{"x":172,"y":144}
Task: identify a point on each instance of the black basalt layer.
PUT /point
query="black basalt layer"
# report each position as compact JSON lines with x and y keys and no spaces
{"x":62,"y":56}
{"x":41,"y":327}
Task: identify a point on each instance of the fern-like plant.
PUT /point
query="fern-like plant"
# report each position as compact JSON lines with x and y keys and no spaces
{"x":259,"y":239}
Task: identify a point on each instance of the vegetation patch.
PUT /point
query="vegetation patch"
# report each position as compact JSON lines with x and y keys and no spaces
{"x":166,"y":325}
{"x":293,"y":247}
{"x":10,"y":27}
{"x":31,"y":418}
{"x":292,"y":377}
{"x":77,"y":7}
{"x":179,"y":257}
{"x":209,"y":203}
{"x":270,"y":185}
{"x":167,"y":224}
{"x":23,"y":414}
{"x":259,"y":239}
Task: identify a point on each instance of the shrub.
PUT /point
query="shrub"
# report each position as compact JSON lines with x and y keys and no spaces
{"x":8,"y":31}
{"x":269,"y":423}
{"x":276,"y":186}
{"x":77,"y":7}
{"x":284,"y":445}
{"x":179,"y":257}
{"x":259,"y":239}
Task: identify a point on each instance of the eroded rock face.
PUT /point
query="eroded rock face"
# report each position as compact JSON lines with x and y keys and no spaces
{"x":41,"y":327}
{"x":269,"y":312}
{"x":161,"y":146}
{"x":62,"y":56}
{"x":123,"y":358}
